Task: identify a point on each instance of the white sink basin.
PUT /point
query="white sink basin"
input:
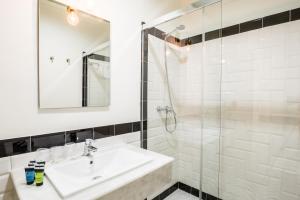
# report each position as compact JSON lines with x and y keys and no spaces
{"x":74,"y":176}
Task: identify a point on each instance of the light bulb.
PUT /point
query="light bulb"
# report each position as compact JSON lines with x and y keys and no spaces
{"x":72,"y":17}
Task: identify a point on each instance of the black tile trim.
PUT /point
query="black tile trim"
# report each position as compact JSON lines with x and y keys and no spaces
{"x":231,"y":30}
{"x":104,"y":131}
{"x":47,"y":140}
{"x":185,"y":187}
{"x":80,"y":135}
{"x":14,"y":146}
{"x":136,"y":126}
{"x":166,"y":192}
{"x":215,"y":34}
{"x":275,"y":19}
{"x":123,"y":128}
{"x":193,"y":191}
{"x":251,"y":25}
{"x":295,"y":14}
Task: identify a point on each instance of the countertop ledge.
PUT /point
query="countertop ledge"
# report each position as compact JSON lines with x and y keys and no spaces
{"x":48,"y":192}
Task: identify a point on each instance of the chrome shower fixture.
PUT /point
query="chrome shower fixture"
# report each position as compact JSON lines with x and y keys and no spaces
{"x":169,"y":110}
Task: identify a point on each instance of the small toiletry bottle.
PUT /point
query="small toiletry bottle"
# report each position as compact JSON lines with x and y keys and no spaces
{"x":39,"y":175}
{"x":32,"y":162}
{"x":43,"y":163}
{"x":31,"y":165}
{"x":30,"y":174}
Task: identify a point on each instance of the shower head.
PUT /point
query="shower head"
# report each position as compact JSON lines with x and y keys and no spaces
{"x":178,"y":28}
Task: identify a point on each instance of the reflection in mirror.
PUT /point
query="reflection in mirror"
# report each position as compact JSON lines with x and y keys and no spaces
{"x":74,"y":58}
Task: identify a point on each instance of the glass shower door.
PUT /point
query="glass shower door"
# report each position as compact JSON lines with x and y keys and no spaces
{"x":260,"y":152}
{"x":211,"y":101}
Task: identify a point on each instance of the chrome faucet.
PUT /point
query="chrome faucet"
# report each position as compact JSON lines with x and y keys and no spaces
{"x":88,"y":149}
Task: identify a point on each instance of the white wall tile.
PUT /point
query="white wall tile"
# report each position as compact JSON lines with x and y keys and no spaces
{"x":5,"y":165}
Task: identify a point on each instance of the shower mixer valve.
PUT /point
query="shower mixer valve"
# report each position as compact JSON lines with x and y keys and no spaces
{"x":164,"y":108}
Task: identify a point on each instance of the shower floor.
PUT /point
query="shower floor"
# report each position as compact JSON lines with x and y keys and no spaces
{"x":181,"y":195}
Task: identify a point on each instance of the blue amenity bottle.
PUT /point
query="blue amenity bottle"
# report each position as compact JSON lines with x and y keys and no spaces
{"x":29,"y":173}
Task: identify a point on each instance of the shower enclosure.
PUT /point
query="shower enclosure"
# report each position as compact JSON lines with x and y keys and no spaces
{"x":221,"y":94}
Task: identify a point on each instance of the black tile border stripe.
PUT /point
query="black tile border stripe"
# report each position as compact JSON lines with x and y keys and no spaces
{"x":275,"y":19}
{"x":215,"y":34}
{"x":15,"y":146}
{"x":48,"y":140}
{"x":251,"y":25}
{"x":191,"y":40}
{"x":295,"y":14}
{"x":231,"y":30}
{"x":193,"y":191}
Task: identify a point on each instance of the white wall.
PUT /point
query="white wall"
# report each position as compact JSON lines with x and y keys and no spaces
{"x":20,"y":115}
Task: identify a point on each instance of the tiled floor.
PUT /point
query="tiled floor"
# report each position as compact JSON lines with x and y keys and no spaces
{"x":181,"y":195}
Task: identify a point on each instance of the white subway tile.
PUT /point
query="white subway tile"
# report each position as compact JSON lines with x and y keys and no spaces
{"x":5,"y":165}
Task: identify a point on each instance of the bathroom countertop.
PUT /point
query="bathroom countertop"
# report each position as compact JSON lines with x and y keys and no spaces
{"x":48,"y":192}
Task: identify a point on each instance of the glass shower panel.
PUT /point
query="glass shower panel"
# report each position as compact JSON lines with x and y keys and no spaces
{"x":211,"y":88}
{"x":183,"y":53}
{"x":260,"y":146}
{"x":158,"y":139}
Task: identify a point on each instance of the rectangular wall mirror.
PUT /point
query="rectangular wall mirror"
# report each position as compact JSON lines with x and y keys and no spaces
{"x":74,"y":57}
